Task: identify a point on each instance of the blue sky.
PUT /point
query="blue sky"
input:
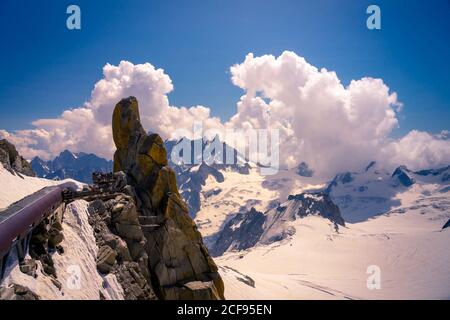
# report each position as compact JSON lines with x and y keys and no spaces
{"x":46,"y":68}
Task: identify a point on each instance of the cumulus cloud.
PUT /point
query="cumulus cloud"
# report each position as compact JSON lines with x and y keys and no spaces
{"x":331,"y":126}
{"x":419,"y":150}
{"x":88,"y":128}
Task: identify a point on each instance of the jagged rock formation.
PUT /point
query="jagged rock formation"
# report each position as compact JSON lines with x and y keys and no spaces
{"x":402,"y":175}
{"x":242,"y":232}
{"x":121,"y":245}
{"x":342,"y":178}
{"x":191,"y":183}
{"x":45,"y":239}
{"x":246,"y":230}
{"x":179,"y":263}
{"x":12,"y":161}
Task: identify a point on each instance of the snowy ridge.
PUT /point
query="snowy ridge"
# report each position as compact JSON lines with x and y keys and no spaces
{"x":396,"y":224}
{"x":249,"y":229}
{"x":375,"y":191}
{"x":320,"y":263}
{"x":394,"y":220}
{"x":238,"y":193}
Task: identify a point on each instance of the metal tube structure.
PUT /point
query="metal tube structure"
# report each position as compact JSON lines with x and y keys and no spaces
{"x":19,"y":219}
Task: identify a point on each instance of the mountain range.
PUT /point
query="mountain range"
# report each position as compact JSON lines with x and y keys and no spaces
{"x":295,"y":235}
{"x":78,"y":166}
{"x":217,"y":193}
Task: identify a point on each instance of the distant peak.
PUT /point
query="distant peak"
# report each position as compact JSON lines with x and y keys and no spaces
{"x":371,"y":165}
{"x":68,"y":153}
{"x":402,"y":174}
{"x":37,"y":159}
{"x":400,"y":169}
{"x":304,"y":170}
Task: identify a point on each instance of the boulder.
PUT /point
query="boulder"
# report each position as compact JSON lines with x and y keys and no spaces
{"x":17,"y":292}
{"x":106,"y":257}
{"x":129,"y":231}
{"x":119,"y":245}
{"x":97,"y":207}
{"x":29,"y":267}
{"x":134,"y":284}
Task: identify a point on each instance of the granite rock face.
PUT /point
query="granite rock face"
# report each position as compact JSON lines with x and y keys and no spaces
{"x":121,"y":245}
{"x":13,"y":161}
{"x":242,"y":232}
{"x":179,"y":263}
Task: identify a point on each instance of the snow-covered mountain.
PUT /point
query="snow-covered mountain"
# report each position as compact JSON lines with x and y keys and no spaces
{"x":373,"y":191}
{"x":280,"y":237}
{"x":192,"y":176}
{"x":408,"y":250}
{"x":246,"y":230}
{"x":394,"y":221}
{"x":395,"y":224}
{"x":78,"y":166}
{"x":238,"y":194}
{"x":359,"y":195}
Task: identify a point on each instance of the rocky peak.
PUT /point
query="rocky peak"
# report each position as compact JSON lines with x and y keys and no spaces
{"x":67,"y":155}
{"x":179,"y":263}
{"x":12,"y":160}
{"x":304,"y":170}
{"x":402,"y":174}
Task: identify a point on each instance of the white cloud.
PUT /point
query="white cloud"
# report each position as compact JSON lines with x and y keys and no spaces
{"x":419,"y":150}
{"x":331,"y":126}
{"x":88,"y":128}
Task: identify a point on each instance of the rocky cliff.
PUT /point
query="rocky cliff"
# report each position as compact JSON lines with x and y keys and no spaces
{"x":12,"y":161}
{"x":180,"y":266}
